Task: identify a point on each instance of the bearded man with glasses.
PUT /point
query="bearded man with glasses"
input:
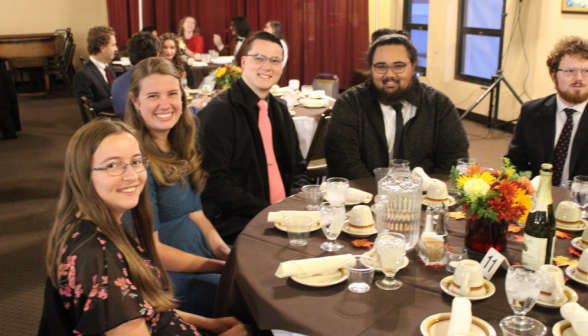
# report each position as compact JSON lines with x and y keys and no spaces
{"x":249,"y":142}
{"x":393,"y":116}
{"x":554,"y":129}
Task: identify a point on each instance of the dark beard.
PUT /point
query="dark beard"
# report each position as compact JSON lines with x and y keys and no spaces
{"x":571,"y":97}
{"x":390,"y":98}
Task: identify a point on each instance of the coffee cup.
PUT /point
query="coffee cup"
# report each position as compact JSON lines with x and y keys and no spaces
{"x":206,"y":88}
{"x":582,"y":268}
{"x":197,"y":57}
{"x":568,"y":214}
{"x":437,"y":191}
{"x":551,"y":285}
{"x":190,"y":61}
{"x":361,"y":218}
{"x":584,"y":241}
{"x":275,"y":89}
{"x":468,"y":279}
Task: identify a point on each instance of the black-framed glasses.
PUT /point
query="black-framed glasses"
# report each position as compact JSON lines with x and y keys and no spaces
{"x":572,"y":72}
{"x":118,"y":168}
{"x":397,"y":67}
{"x":260,"y":59}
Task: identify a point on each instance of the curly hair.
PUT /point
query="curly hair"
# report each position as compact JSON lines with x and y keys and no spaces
{"x":181,"y":26}
{"x":177,"y":59}
{"x":98,"y":37}
{"x":567,"y":45}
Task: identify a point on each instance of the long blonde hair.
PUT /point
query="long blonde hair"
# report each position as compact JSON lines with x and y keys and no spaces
{"x":184,"y":159}
{"x":78,"y":197}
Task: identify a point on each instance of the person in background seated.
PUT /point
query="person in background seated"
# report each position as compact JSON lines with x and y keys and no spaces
{"x":554,"y":129}
{"x":188,"y":33}
{"x":141,"y":46}
{"x":150,"y":30}
{"x":275,"y":27}
{"x":170,"y":51}
{"x":249,"y":143}
{"x":157,"y":109}
{"x":104,"y":278}
{"x":393,"y":116}
{"x":240,"y":29}
{"x":95,"y":78}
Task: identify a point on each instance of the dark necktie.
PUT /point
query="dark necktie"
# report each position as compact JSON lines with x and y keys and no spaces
{"x":108,"y":75}
{"x":240,"y":39}
{"x":560,"y":153}
{"x":398,"y":132}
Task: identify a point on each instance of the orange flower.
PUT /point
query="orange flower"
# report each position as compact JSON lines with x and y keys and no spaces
{"x":477,"y":168}
{"x":527,"y":184}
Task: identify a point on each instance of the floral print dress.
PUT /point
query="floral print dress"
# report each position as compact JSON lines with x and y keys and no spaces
{"x":97,"y":292}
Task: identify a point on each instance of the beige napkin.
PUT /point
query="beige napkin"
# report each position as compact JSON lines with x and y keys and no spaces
{"x":426,"y":179}
{"x":354,"y":195}
{"x":461,"y":317}
{"x":309,"y":267}
{"x":280,"y":216}
{"x":577,"y":315}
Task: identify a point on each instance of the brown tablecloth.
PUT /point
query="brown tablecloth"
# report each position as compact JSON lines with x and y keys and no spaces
{"x":250,"y":291}
{"x":201,"y":72}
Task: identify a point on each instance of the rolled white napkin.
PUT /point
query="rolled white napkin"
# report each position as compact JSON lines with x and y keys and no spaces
{"x":461,"y":317}
{"x":280,"y":216}
{"x":309,"y":267}
{"x":577,"y":315}
{"x":426,"y":179}
{"x":354,"y":195}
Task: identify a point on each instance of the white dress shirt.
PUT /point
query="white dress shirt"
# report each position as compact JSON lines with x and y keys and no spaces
{"x":238,"y":46}
{"x":560,"y":120}
{"x":408,"y":112}
{"x":101,"y":67}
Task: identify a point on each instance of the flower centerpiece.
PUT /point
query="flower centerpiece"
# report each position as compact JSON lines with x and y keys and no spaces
{"x":226,"y":75}
{"x":490,"y":200}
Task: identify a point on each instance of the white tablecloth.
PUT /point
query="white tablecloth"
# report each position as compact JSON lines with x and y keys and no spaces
{"x":305,"y":127}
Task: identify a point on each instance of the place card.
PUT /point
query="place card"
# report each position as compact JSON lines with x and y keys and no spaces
{"x":491,"y":262}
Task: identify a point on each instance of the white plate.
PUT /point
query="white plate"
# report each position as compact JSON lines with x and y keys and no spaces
{"x":280,"y":226}
{"x":450,"y":201}
{"x":371,"y":253}
{"x":574,"y":228}
{"x":324,"y":280}
{"x":277,"y":94}
{"x":571,"y":273}
{"x":577,"y":243}
{"x":490,"y":289}
{"x":292,"y":113}
{"x":315,"y":106}
{"x":571,"y":296}
{"x":563,"y":328}
{"x":359,"y":235}
{"x":438,"y":325}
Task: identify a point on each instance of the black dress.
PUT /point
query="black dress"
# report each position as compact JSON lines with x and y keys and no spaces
{"x":96,"y":293}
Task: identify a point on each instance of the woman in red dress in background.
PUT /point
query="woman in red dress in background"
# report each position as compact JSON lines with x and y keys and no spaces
{"x":188,"y":33}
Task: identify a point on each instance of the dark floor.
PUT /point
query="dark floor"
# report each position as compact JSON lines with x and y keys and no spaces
{"x":30,"y":180}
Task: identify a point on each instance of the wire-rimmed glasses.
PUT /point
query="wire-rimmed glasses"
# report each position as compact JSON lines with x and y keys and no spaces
{"x":397,"y":68}
{"x":572,"y":72}
{"x":118,"y":168}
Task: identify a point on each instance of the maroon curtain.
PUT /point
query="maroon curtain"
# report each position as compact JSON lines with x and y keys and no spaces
{"x":323,"y":36}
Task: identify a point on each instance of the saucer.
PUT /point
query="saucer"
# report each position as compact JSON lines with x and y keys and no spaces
{"x":370,"y":253}
{"x":573,"y":228}
{"x":563,"y":328}
{"x":571,"y":273}
{"x":359,"y":235}
{"x":450,"y":201}
{"x":577,"y":243}
{"x":324,"y":280}
{"x":315,"y":106}
{"x":438,"y":325}
{"x":314,"y":227}
{"x":277,"y":94}
{"x":571,"y":296}
{"x":490,"y":289}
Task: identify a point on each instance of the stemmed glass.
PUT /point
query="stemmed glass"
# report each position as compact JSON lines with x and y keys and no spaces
{"x":580,"y":193}
{"x":337,"y":190}
{"x":332,"y":219}
{"x":294,"y":84}
{"x":306,"y":90}
{"x":522,"y":291}
{"x":391,"y":249}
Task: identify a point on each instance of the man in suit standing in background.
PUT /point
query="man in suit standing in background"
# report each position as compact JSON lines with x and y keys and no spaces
{"x":95,"y":78}
{"x":554,"y":129}
{"x":241,"y":29}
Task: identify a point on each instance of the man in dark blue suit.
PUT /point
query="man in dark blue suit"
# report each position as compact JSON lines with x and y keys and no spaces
{"x":95,"y":78}
{"x":554,"y":129}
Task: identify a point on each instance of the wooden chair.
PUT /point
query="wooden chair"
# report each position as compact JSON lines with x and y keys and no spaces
{"x":82,"y":60}
{"x":327,"y":82}
{"x":89,"y":112}
{"x":61,"y":66}
{"x":317,"y":164}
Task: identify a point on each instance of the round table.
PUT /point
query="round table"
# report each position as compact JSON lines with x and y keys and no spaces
{"x":250,"y":291}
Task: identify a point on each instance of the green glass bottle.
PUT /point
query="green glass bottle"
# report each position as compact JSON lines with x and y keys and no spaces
{"x":539,"y":235}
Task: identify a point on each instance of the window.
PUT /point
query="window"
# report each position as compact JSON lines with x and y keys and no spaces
{"x":479,"y":40}
{"x":416,"y":23}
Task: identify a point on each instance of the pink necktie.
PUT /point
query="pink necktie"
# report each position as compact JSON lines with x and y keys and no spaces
{"x":276,"y":186}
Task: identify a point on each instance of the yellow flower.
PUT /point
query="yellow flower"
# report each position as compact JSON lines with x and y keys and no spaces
{"x":509,"y":172}
{"x":476,"y":188}
{"x":486,"y":176}
{"x":220,"y":72}
{"x":523,"y":199}
{"x":462,"y":179}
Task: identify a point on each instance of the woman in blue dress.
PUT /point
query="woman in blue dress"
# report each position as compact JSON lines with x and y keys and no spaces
{"x":157,"y":108}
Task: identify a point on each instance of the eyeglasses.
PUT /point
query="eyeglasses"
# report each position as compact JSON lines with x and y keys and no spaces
{"x":118,"y":168}
{"x":397,"y":67}
{"x":260,"y":59}
{"x":572,"y":72}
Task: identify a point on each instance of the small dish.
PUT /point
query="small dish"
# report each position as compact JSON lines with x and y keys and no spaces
{"x":194,"y":91}
{"x":282,"y":227}
{"x":573,"y":228}
{"x":571,"y":272}
{"x":571,"y":296}
{"x":563,"y":328}
{"x":490,"y":289}
{"x":277,"y":94}
{"x":371,"y":253}
{"x":450,"y":201}
{"x":438,"y":325}
{"x":324,"y":280}
{"x":359,"y":235}
{"x":577,"y":243}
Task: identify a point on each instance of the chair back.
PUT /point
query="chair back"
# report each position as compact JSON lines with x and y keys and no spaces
{"x":88,"y":110}
{"x":327,"y":82}
{"x":82,"y":61}
{"x":317,"y":146}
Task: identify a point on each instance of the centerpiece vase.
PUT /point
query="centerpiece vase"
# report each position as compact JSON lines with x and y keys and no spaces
{"x":484,"y":233}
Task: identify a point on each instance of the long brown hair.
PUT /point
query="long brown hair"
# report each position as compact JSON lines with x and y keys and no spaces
{"x":177,"y":59}
{"x":78,"y":197}
{"x":181,"y":26}
{"x":184,"y":159}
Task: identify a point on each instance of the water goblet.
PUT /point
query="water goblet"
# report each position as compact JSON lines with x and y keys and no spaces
{"x":391,"y":249}
{"x":294,"y":84}
{"x":522,"y":290}
{"x":332,"y":219}
{"x":306,"y":90}
{"x":464,"y":164}
{"x":580,"y":193}
{"x":337,"y":190}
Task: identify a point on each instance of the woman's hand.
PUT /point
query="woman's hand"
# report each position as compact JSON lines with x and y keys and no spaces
{"x":188,"y":52}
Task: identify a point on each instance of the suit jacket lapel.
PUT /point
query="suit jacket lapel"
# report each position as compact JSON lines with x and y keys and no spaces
{"x":99,"y":76}
{"x":579,"y":141}
{"x":374,"y":112}
{"x":547,"y":122}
